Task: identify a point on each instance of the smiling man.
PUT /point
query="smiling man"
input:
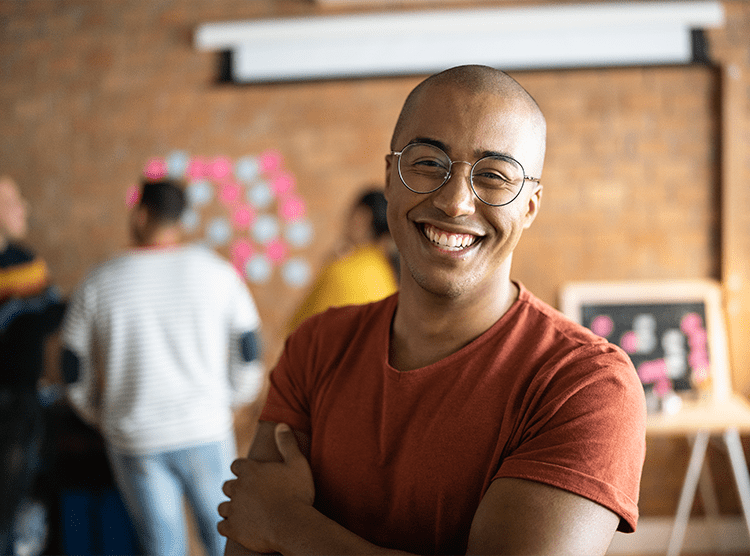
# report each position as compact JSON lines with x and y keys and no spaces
{"x":461,"y":414}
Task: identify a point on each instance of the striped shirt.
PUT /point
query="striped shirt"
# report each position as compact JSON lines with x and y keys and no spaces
{"x":157,"y":333}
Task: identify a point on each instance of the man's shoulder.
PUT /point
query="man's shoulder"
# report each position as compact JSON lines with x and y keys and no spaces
{"x":545,"y":316}
{"x":554,"y":344}
{"x":320,"y":342}
{"x":349,"y":318}
{"x":205,"y":257}
{"x":110,"y":265}
{"x":107,"y":273}
{"x":550,"y":331}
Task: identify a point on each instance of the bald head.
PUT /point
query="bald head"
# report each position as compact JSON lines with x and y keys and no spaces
{"x":479,"y":80}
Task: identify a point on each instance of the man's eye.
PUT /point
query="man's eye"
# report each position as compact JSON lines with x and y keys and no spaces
{"x":491,"y":176}
{"x":430,"y":162}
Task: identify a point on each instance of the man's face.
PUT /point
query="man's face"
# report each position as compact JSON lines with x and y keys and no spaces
{"x":13,"y":211}
{"x":451,"y":243}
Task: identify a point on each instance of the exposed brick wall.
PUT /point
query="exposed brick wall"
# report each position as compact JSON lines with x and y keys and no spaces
{"x":631,"y":189}
{"x":90,"y":90}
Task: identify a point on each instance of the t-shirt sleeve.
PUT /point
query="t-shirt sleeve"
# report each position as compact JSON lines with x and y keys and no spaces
{"x":288,"y":395}
{"x":78,"y":339}
{"x":585,"y":431}
{"x":246,"y":373}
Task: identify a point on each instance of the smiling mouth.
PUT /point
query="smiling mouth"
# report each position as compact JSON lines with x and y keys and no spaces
{"x":447,"y":240}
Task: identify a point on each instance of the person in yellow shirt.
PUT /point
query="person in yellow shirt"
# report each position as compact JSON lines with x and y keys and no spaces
{"x":364,"y":268}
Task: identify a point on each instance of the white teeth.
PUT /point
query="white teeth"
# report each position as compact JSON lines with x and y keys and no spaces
{"x":451,"y":241}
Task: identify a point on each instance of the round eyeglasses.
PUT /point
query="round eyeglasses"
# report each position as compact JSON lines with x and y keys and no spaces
{"x":496,"y":180}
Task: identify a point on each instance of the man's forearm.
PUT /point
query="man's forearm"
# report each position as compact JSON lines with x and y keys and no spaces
{"x":314,"y":533}
{"x":236,"y":549}
{"x":271,"y":502}
{"x":317,"y":534}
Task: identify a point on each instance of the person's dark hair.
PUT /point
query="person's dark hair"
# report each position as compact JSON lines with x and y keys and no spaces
{"x":374,"y":200}
{"x":163,"y":199}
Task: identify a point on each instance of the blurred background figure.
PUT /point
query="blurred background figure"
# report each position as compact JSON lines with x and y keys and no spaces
{"x":160,"y":344}
{"x":30,"y":310}
{"x":364,"y":265}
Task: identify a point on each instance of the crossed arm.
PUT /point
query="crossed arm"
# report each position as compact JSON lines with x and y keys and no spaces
{"x":271,"y":510}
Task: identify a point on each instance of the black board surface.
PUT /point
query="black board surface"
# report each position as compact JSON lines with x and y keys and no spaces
{"x":667,"y":341}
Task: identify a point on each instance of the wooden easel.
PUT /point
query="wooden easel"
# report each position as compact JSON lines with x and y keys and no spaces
{"x":723,"y":418}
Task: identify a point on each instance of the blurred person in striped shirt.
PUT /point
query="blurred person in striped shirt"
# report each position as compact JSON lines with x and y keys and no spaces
{"x":161,"y":343}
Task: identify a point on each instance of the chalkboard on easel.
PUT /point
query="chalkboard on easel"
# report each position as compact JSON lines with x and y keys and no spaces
{"x":667,"y":342}
{"x":672,"y":330}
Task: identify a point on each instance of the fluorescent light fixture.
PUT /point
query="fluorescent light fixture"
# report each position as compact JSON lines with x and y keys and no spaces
{"x":398,"y":43}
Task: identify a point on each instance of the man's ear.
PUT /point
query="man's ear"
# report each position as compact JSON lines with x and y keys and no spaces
{"x":388,"y":168}
{"x":140,"y":216}
{"x":139,"y":221}
{"x":535,"y":202}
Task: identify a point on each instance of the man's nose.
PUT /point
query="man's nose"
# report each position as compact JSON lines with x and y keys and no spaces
{"x":456,"y":197}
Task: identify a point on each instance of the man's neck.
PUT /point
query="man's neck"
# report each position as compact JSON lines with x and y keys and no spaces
{"x":4,"y":243}
{"x":163,"y":237}
{"x":428,"y":328}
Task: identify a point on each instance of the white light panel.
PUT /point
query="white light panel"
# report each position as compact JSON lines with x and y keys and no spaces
{"x":623,"y":33}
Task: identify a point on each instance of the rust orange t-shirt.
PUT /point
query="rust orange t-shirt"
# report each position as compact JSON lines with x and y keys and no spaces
{"x":404,"y":458}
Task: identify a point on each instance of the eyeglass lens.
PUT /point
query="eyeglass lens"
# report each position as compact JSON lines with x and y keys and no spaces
{"x":495,"y":180}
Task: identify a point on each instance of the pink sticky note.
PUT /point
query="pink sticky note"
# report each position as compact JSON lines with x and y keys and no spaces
{"x":629,"y":342}
{"x":229,"y":192}
{"x":241,"y":250}
{"x":602,"y":325}
{"x":270,"y":160}
{"x":242,"y":217}
{"x":132,"y":196}
{"x":292,"y":208}
{"x":282,"y":183}
{"x":221,"y":167}
{"x":198,"y":168}
{"x":663,"y":387}
{"x":652,"y":371}
{"x":155,"y":169}
{"x":690,"y":322}
{"x":276,"y":251}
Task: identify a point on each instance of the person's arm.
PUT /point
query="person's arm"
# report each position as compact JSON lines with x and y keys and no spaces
{"x":271,"y":509}
{"x":77,"y":359}
{"x":262,"y":449}
{"x":246,"y":372}
{"x":522,"y":517}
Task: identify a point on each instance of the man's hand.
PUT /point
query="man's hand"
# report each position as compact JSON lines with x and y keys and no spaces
{"x":267,"y":497}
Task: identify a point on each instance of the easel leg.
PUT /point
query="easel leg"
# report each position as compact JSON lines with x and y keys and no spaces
{"x":708,"y":492}
{"x":739,"y":467}
{"x":687,"y":495}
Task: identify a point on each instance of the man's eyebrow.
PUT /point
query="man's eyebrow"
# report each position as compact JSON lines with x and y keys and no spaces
{"x":428,"y":141}
{"x":495,"y":153}
{"x":445,"y":148}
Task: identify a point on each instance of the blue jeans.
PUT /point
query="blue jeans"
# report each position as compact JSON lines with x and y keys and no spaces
{"x":153,"y":487}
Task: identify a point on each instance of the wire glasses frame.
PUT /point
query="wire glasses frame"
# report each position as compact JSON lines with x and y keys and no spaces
{"x":430,"y":167}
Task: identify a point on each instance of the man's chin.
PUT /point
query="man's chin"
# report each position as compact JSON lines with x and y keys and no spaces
{"x":439,"y":286}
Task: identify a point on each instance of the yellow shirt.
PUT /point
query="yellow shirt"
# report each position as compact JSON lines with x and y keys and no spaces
{"x":362,"y":276}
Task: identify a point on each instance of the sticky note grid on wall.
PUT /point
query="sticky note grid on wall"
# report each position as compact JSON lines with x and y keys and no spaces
{"x":248,"y":208}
